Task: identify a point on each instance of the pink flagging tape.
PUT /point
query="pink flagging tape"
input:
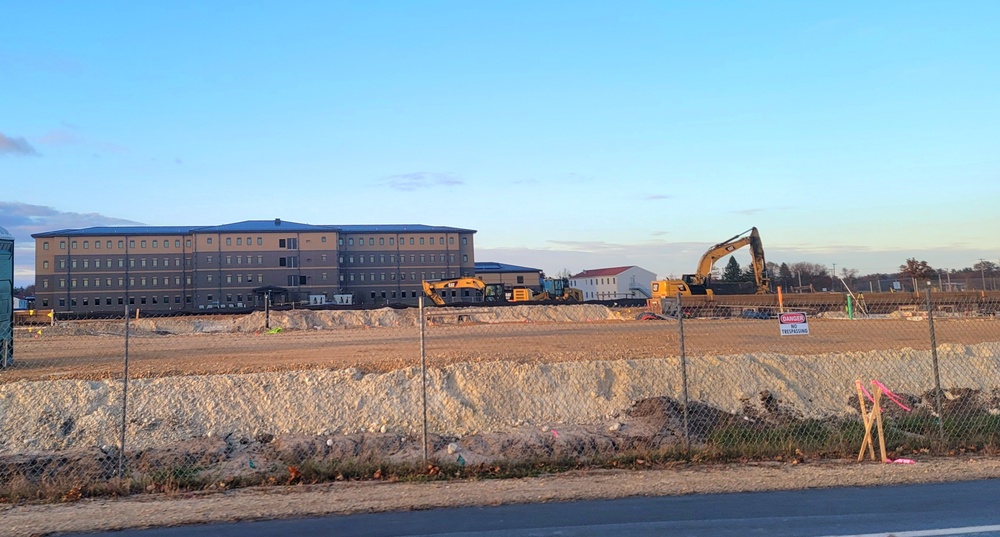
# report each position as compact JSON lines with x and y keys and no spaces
{"x":888,"y":393}
{"x":895,"y":398}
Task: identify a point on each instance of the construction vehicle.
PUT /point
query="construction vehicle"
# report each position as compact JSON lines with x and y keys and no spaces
{"x":556,"y":289}
{"x":492,"y":292}
{"x":697,"y":283}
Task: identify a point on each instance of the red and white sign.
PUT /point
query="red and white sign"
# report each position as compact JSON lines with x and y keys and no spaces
{"x":793,"y":324}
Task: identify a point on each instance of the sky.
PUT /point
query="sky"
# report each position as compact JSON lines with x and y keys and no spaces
{"x":569,"y":135}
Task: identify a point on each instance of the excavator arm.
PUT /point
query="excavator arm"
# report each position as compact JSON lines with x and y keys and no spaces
{"x":492,"y":292}
{"x":697,"y":283}
{"x":749,"y":237}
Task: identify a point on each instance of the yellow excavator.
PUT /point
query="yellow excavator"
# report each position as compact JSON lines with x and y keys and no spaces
{"x":697,"y":283}
{"x":492,"y":292}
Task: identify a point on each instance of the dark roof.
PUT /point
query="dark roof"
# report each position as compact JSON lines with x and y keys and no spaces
{"x":595,"y":273}
{"x":248,"y":226}
{"x":118,"y":230}
{"x":488,"y":267}
{"x":263,"y":226}
{"x":401,"y":228}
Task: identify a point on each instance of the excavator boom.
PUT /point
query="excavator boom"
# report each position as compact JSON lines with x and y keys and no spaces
{"x":491,"y":292}
{"x":697,"y":283}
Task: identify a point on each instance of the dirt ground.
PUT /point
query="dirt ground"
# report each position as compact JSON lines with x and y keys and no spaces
{"x":95,"y":350}
{"x":158,"y":510}
{"x":89,"y":350}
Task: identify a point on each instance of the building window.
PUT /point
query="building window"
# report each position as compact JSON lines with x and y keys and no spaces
{"x":239,"y":241}
{"x":520,"y":279}
{"x":121,"y":244}
{"x":72,"y":245}
{"x":177,"y":243}
{"x":323,"y":275}
{"x":322,"y":239}
{"x":142,"y":244}
{"x":97,"y":245}
{"x":411,"y":241}
{"x":392,"y":241}
{"x":371,"y":241}
{"x":340,"y":241}
{"x":187,"y":243}
{"x":350,"y":241}
{"x":45,"y":245}
{"x":154,"y":244}
{"x":229,"y":260}
{"x":86,"y":245}
{"x":45,"y":264}
{"x":465,"y":240}
{"x":229,"y":241}
{"x":208,"y":240}
{"x":432,"y":240}
{"x":451,"y":240}
{"x":260,"y":241}
{"x":465,"y":258}
{"x":421,"y":240}
{"x":381,"y":241}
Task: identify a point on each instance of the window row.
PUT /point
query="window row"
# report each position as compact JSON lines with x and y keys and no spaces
{"x":402,"y":240}
{"x":236,"y":278}
{"x":402,"y":259}
{"x":239,"y":241}
{"x":371,"y":276}
{"x":120,"y":263}
{"x":120,"y":301}
{"x":156,"y":243}
{"x":239,"y":259}
{"x":142,"y":281}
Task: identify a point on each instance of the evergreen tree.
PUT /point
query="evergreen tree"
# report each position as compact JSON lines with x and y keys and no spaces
{"x":733,"y":272}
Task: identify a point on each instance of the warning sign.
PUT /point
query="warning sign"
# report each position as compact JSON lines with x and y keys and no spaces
{"x":793,"y":324}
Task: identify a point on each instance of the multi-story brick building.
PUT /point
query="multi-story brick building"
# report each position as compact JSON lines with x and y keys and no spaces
{"x":169,"y":268}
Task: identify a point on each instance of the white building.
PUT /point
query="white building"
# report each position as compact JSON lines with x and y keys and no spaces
{"x":613,"y":283}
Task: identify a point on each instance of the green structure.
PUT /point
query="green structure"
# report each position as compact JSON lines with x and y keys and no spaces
{"x":6,"y":299}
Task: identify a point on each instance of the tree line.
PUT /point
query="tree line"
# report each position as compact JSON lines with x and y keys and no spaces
{"x":913,"y":274}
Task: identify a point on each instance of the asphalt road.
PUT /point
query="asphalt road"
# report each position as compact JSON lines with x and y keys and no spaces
{"x":965,"y":508}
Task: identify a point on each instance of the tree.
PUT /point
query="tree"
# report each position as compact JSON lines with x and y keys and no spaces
{"x":733,"y":272}
{"x":918,"y":270}
{"x":564,"y":273}
{"x":988,"y":267}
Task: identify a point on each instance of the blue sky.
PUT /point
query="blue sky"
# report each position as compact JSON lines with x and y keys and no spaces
{"x":571,"y":135}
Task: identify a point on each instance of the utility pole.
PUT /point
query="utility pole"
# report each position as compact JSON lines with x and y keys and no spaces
{"x":982,"y":271}
{"x":833,"y":280}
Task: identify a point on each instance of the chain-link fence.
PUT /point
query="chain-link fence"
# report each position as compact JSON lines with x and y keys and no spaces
{"x":146,"y":403}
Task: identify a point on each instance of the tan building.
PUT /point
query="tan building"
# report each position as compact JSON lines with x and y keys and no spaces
{"x":170,"y":268}
{"x":510,"y":276}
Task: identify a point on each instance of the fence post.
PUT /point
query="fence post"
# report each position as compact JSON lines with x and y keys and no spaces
{"x":423,"y":371}
{"x":684,"y":377}
{"x":934,"y":359}
{"x":121,"y":448}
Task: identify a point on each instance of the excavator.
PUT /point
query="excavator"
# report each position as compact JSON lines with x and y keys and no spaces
{"x":697,"y":283}
{"x":492,"y":292}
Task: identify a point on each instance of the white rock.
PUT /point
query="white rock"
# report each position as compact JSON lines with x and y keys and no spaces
{"x":615,"y":427}
{"x":329,"y":441}
{"x":453,"y":448}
